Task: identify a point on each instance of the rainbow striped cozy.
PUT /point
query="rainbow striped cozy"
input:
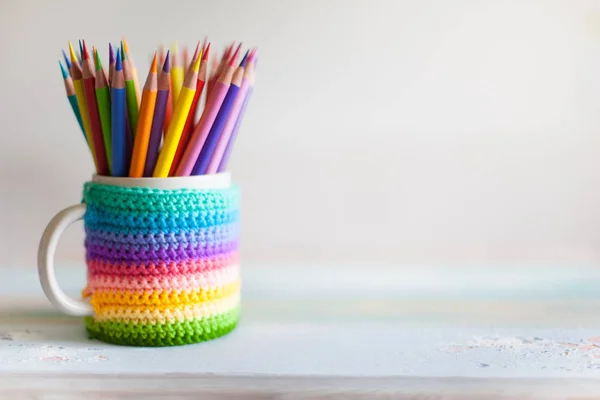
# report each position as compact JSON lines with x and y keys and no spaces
{"x":162,"y":264}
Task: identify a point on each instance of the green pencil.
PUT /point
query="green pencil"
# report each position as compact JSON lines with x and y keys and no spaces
{"x":103,"y":99}
{"x":130,"y":93}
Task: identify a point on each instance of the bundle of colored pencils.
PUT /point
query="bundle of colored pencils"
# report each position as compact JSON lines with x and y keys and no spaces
{"x":154,"y":131}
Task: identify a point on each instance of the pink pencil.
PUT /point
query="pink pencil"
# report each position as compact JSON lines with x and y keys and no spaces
{"x":247,"y":82}
{"x":209,"y":114}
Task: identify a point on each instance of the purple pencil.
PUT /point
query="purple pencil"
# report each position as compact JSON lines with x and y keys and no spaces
{"x":216,"y":131}
{"x":250,"y":77}
{"x":164,"y":83}
{"x":217,"y":154}
{"x":202,"y":129}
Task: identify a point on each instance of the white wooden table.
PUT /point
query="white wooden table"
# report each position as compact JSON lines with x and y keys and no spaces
{"x":311,"y":330}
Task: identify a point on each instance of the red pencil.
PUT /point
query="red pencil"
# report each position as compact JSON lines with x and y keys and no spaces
{"x":189,"y":122}
{"x":89,"y":86}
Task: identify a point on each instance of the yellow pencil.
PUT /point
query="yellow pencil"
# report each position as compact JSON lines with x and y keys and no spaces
{"x":134,"y":72}
{"x":176,"y":74}
{"x":180,"y":113}
{"x":77,"y":74}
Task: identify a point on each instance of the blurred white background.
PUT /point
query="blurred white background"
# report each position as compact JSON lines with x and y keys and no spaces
{"x":438,"y":131}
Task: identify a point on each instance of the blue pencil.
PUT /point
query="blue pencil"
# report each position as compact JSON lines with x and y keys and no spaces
{"x":217,"y":128}
{"x":118,"y":124}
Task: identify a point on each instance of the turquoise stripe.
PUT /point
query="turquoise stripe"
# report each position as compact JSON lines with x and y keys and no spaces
{"x":98,"y":219}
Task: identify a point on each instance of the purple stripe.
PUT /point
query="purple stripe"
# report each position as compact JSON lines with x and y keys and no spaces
{"x":217,"y":233}
{"x":142,"y":254}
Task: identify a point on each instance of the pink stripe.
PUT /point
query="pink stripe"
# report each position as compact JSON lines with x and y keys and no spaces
{"x":97,"y":267}
{"x":201,"y":131}
{"x":208,"y":280}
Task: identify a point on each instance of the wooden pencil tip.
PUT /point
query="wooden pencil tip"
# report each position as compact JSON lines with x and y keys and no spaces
{"x":97,"y":61}
{"x":125,"y":45}
{"x":196,"y":66}
{"x":123,"y":54}
{"x":205,"y":52}
{"x":67,"y":61}
{"x":111,"y":54}
{"x":72,"y":53}
{"x":86,"y":55}
{"x":174,"y":48}
{"x":167,"y":64}
{"x":243,"y":62}
{"x":153,"y":66}
{"x":197,"y":52}
{"x":64,"y":71}
{"x":118,"y":64}
{"x":232,"y":62}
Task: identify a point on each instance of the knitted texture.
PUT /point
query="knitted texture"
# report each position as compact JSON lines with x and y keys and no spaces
{"x":163,"y":267}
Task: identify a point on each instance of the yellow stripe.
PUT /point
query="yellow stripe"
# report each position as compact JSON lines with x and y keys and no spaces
{"x":85,"y":115}
{"x":158,"y":299}
{"x":144,"y":314}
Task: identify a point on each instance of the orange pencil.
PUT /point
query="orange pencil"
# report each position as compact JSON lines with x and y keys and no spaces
{"x":189,"y":123}
{"x":142,"y":136}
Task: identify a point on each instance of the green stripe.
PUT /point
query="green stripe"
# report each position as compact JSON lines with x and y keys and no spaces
{"x":169,"y":334}
{"x":103,"y":97}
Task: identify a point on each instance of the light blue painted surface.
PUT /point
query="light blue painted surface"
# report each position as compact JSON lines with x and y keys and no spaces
{"x":342,"y":322}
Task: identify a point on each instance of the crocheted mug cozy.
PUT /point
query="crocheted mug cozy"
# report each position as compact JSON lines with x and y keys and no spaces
{"x":162,"y":264}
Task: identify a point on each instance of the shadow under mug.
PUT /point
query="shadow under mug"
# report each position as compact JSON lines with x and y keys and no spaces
{"x":162,"y":259}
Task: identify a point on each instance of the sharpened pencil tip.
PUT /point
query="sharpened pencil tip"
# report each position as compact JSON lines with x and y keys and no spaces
{"x":118,"y":64}
{"x":153,"y":66}
{"x":125,"y":45}
{"x":86,"y":55}
{"x":98,"y":63}
{"x":123,"y":54}
{"x":64,"y":71}
{"x":167,"y":64}
{"x":243,"y":62}
{"x":72,"y":53}
{"x":196,"y":66}
{"x":67,"y":61}
{"x":205,"y":52}
{"x":80,"y":51}
{"x":232,"y":62}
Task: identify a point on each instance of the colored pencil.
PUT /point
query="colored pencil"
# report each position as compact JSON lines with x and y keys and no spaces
{"x":176,"y":74}
{"x":77,"y":76}
{"x":103,"y":99}
{"x":134,"y":73}
{"x":118,"y":114}
{"x":217,"y":68}
{"x":189,"y":123}
{"x":70,"y":89}
{"x":142,"y":136}
{"x":80,"y":52}
{"x":186,"y":58}
{"x":132,"y":101}
{"x":232,"y":117}
{"x":164,"y":83}
{"x":220,"y":120}
{"x":111,"y":63}
{"x":202,"y":129}
{"x":182,"y":108}
{"x":89,"y":86}
{"x":67,"y":61}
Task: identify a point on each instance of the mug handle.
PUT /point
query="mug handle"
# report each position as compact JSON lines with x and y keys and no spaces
{"x":46,"y":250}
